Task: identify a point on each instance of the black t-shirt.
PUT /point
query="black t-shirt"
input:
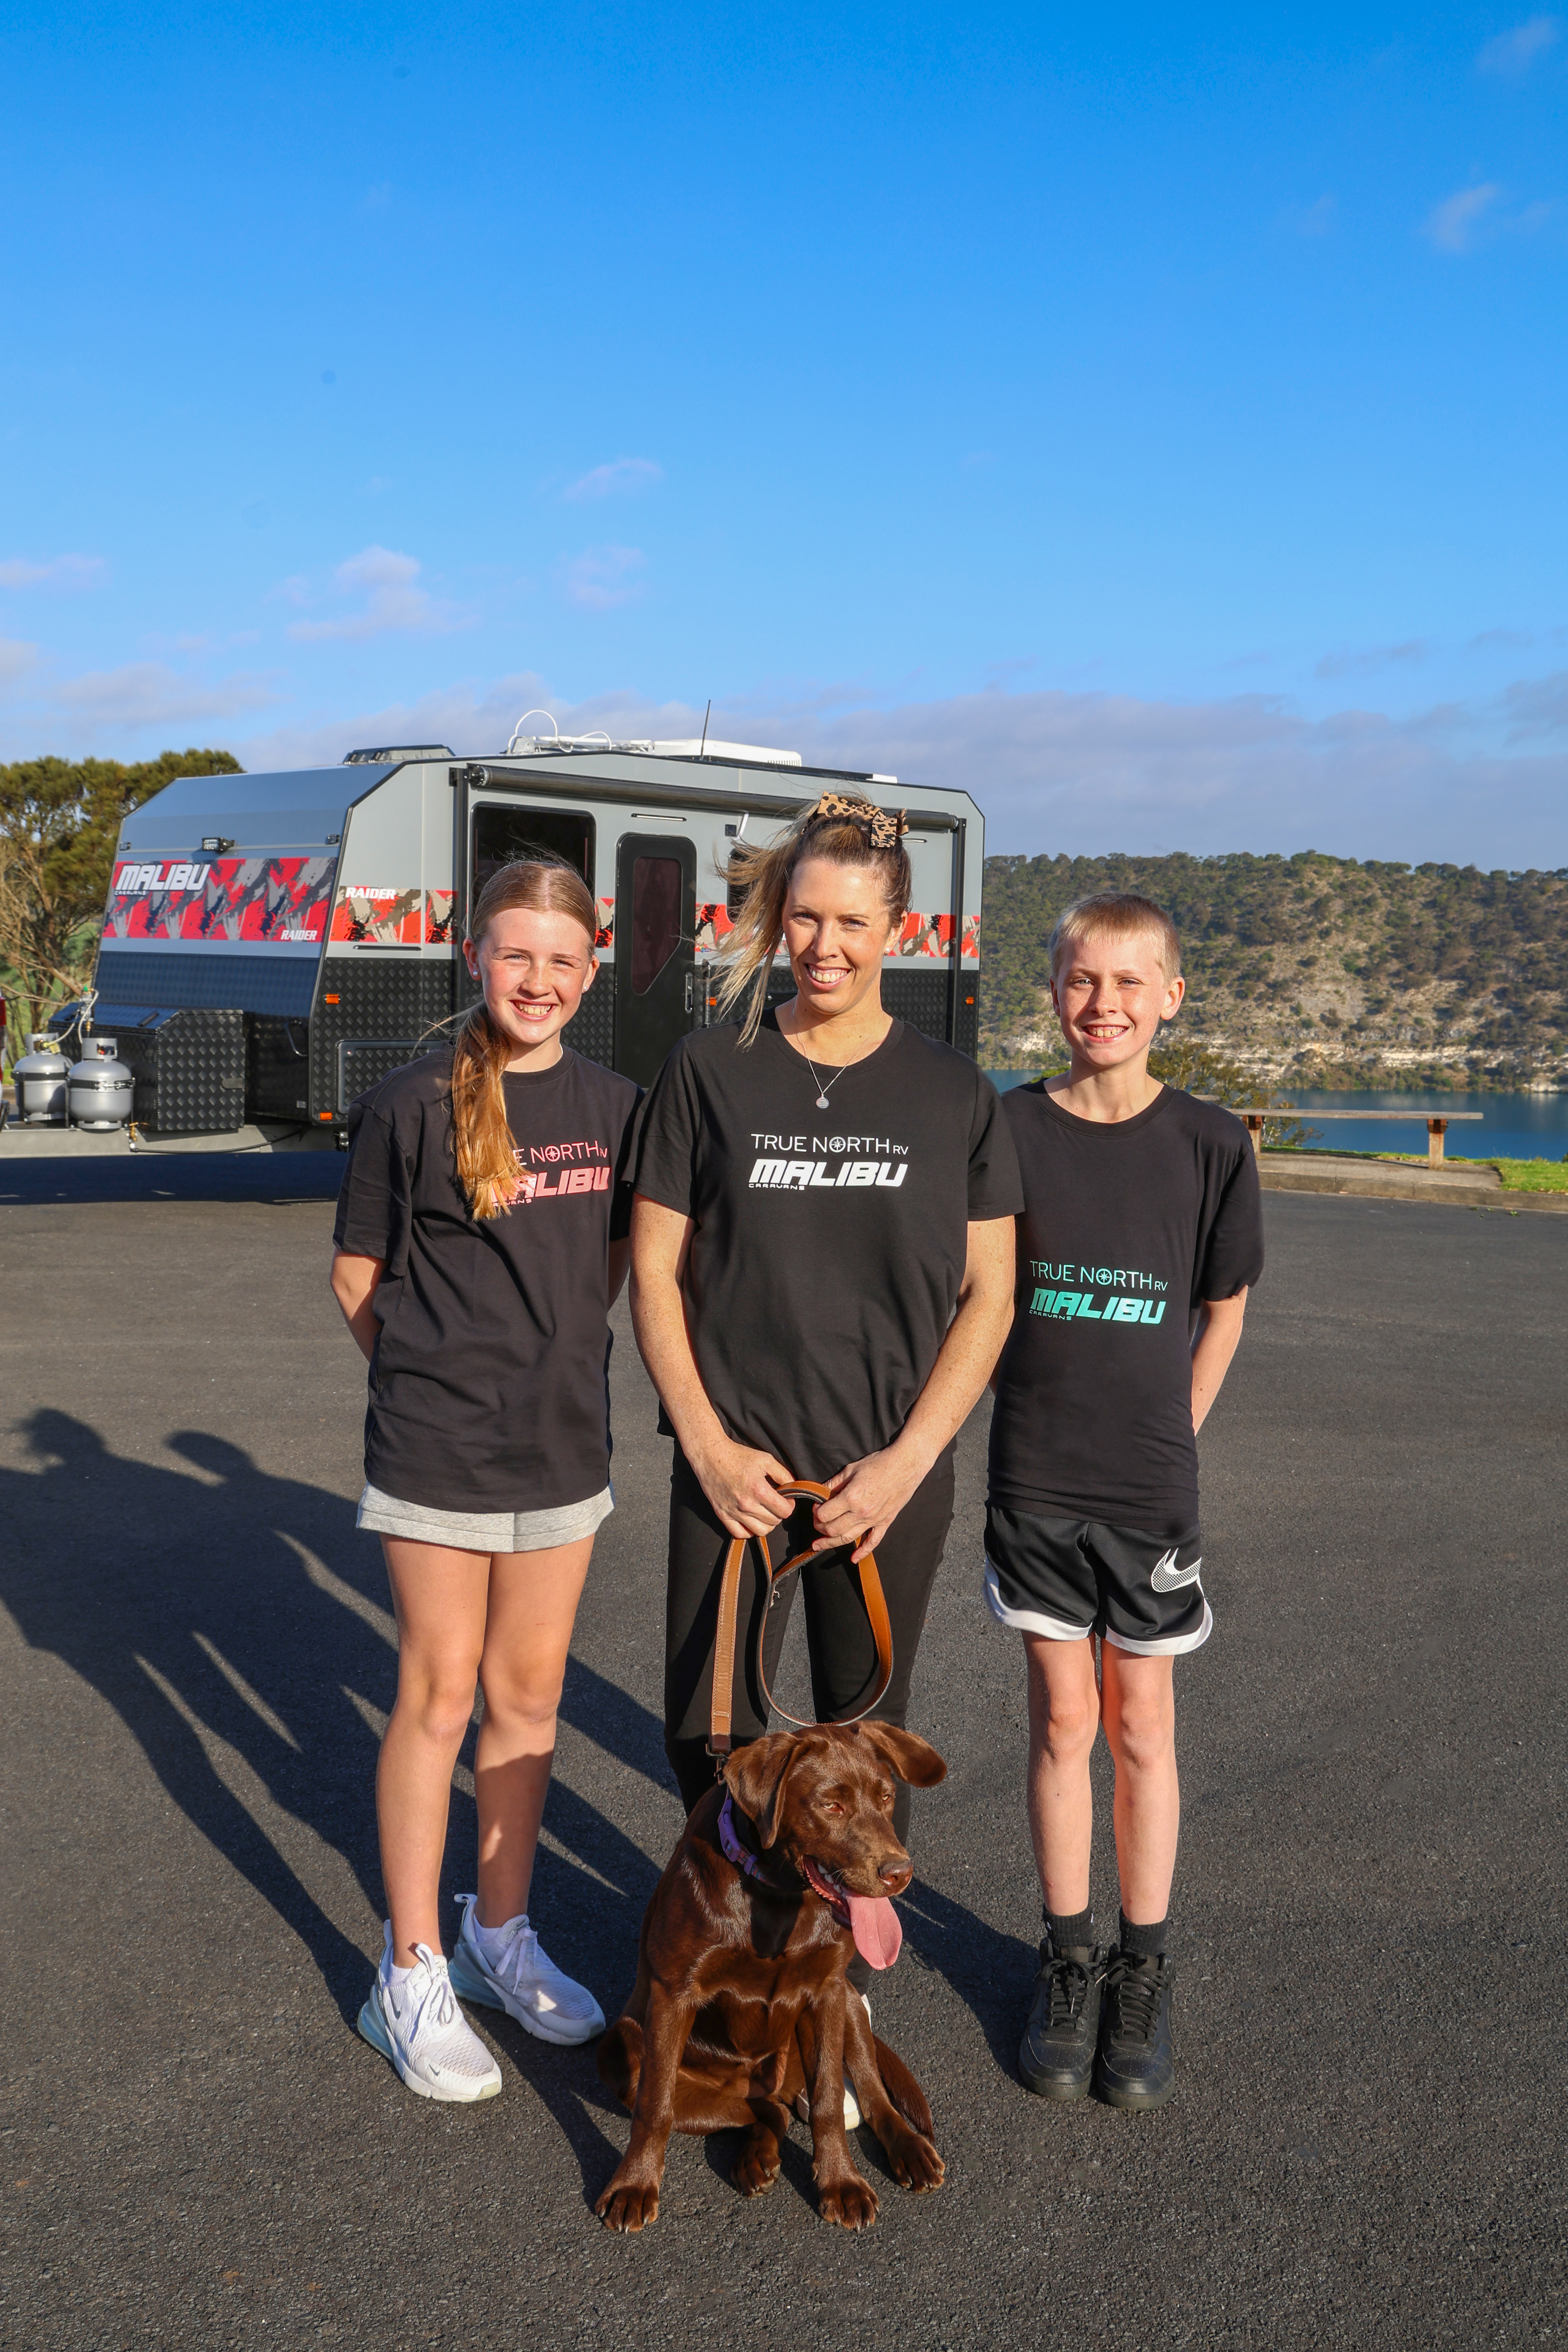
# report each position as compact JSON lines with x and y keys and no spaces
{"x":830,"y":1245}
{"x":488,"y":1390}
{"x":1126,"y":1228}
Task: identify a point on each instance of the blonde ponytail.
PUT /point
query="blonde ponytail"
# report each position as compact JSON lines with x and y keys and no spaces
{"x":846,"y":830}
{"x":482,"y":1139}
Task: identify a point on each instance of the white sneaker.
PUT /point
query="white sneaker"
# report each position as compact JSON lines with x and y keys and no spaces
{"x":525,"y":1982}
{"x":424,"y":2034}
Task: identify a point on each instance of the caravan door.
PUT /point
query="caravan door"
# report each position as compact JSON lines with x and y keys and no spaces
{"x":656,"y":966}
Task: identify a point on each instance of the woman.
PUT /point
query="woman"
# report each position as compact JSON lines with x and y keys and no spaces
{"x":823,"y":1274}
{"x":480,"y":1241}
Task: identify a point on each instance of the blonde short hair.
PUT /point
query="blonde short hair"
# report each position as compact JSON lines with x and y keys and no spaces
{"x":1117,"y":914}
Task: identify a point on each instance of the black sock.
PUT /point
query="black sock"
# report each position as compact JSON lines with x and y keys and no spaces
{"x":1070,"y":1928}
{"x":1145,"y":1943}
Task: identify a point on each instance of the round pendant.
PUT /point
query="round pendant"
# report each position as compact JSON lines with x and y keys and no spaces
{"x":822,"y":1102}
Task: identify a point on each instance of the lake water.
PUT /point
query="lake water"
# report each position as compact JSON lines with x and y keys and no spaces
{"x":1514,"y":1126}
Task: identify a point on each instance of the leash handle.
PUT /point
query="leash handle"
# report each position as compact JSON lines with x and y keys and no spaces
{"x":718,"y":1740}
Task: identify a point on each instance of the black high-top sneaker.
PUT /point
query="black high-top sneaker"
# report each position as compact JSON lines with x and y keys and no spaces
{"x":1136,"y":2063}
{"x":1055,"y":2057}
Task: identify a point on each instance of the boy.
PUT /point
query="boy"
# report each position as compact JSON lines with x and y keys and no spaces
{"x":1141,"y":1235}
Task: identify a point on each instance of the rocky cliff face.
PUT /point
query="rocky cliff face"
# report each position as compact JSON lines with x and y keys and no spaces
{"x":1313,"y":968}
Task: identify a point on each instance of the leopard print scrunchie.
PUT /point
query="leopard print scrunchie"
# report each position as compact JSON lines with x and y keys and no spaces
{"x":881,"y":827}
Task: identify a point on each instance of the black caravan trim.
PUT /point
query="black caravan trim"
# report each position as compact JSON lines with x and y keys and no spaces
{"x":395,"y":1001}
{"x":918,"y":999}
{"x":181,"y":977}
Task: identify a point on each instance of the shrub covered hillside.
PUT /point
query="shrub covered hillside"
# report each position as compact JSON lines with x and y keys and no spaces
{"x":1312,"y":968}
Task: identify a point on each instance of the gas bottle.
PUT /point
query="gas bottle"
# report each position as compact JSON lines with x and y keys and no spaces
{"x":100,"y":1090}
{"x":40,"y":1076}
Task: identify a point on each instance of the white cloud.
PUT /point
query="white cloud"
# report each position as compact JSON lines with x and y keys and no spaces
{"x":57,"y":572}
{"x":1093,"y":773}
{"x":1537,"y":706}
{"x":1366,"y":663}
{"x":602,"y":577}
{"x":151,"y":694}
{"x":1100,"y":772}
{"x":1515,"y":52}
{"x":1453,"y":225}
{"x":393,"y":599}
{"x":621,"y":474}
{"x":16,"y":658}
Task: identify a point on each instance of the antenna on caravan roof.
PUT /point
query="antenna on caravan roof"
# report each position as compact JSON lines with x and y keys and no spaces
{"x":512,"y":740}
{"x":707,"y":715}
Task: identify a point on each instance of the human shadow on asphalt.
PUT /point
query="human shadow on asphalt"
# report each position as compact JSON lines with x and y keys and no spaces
{"x":989,"y":1971}
{"x":615,"y":1722}
{"x":230,"y":1610}
{"x":566,"y":2083}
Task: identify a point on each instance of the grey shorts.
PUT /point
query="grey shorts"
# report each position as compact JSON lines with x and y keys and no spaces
{"x":487,"y":1531}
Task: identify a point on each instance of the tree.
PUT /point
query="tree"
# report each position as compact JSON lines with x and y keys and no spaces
{"x":1179,"y":1059}
{"x":59,"y":825}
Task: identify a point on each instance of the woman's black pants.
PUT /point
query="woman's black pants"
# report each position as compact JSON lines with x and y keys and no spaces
{"x":838,"y":1638}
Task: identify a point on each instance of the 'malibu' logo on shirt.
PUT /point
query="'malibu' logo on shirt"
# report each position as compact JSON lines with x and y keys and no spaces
{"x":1067,"y":1294}
{"x":782,"y":1170}
{"x":560,"y":1170}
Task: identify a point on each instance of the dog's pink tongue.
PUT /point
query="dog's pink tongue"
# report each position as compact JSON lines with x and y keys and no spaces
{"x":875,"y":1923}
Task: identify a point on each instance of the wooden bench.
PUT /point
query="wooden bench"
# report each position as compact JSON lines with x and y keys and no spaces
{"x":1436,"y":1126}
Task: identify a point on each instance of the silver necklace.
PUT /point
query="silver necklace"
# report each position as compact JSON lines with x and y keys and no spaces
{"x":822,"y":1091}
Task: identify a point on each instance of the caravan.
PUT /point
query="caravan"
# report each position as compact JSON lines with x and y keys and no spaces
{"x":273,"y":945}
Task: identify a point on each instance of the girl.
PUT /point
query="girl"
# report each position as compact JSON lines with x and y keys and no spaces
{"x":480,"y":1244}
{"x":823,"y":1269}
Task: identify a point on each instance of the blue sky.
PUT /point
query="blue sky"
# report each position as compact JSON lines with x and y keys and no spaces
{"x":1152,"y":421}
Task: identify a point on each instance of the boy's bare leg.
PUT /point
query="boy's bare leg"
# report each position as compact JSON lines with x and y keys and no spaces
{"x":1135,"y":2062}
{"x":1139,"y":1704}
{"x":1056,"y":2058}
{"x":1064,"y":1717}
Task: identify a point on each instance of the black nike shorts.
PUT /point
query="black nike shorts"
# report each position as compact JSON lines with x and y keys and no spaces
{"x":1067,"y":1579}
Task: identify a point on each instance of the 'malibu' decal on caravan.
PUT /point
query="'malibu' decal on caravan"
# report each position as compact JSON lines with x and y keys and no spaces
{"x":265,"y":901}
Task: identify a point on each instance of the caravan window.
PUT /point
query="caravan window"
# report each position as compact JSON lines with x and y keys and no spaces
{"x":505,"y":829}
{"x":656,"y":919}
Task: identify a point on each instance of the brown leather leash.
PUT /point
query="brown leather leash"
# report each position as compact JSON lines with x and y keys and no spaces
{"x":719,"y":1740}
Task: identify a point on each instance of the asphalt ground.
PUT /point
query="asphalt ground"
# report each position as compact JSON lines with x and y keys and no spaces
{"x":195,"y":1661}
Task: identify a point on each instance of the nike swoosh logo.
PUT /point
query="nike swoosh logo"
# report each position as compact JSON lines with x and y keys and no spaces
{"x":1166,"y":1578}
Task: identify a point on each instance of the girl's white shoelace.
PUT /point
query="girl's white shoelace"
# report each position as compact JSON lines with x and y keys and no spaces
{"x":434,"y":2009}
{"x":434,"y":2032}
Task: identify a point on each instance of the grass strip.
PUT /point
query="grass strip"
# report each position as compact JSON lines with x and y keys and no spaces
{"x":1515,"y":1175}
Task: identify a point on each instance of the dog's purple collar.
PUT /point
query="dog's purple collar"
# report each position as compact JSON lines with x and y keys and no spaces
{"x":741,"y":1857}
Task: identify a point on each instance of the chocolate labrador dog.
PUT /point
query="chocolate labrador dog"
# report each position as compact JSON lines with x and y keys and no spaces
{"x":741,"y":2002}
